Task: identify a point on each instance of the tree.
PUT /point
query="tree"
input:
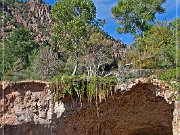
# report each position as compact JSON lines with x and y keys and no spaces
{"x":71,"y":17}
{"x":136,"y":16}
{"x":1,"y":63}
{"x":47,"y":64}
{"x":158,"y":47}
{"x":100,"y":52}
{"x":8,"y":1}
{"x":17,"y":47}
{"x":174,"y":27}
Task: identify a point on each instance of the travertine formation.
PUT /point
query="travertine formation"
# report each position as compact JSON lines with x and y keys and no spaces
{"x":143,"y":108}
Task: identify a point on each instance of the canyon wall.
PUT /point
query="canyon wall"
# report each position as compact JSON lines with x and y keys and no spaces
{"x":143,"y":108}
{"x":33,"y":14}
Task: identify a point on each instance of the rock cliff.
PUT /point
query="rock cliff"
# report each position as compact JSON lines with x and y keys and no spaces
{"x":34,"y":14}
{"x":144,"y":108}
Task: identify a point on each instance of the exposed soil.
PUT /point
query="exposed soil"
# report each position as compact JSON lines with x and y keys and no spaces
{"x":146,"y":108}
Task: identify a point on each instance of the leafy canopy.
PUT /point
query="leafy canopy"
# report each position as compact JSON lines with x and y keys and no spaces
{"x":71,"y":18}
{"x":71,"y":21}
{"x":159,"y":48}
{"x":18,"y":46}
{"x":136,"y":16}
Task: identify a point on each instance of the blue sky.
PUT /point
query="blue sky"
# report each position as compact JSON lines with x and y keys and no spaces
{"x":104,"y":12}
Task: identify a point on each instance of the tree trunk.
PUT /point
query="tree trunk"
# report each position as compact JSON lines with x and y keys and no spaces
{"x":76,"y":66}
{"x":75,"y":69}
{"x":90,"y":71}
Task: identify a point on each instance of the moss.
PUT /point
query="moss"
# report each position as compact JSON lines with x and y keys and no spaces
{"x":83,"y":87}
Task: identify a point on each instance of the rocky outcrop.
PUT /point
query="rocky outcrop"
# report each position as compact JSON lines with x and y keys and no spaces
{"x":143,"y":108}
{"x":34,"y":14}
{"x":176,"y":122}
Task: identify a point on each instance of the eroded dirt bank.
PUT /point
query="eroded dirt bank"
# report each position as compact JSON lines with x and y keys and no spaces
{"x":145,"y":108}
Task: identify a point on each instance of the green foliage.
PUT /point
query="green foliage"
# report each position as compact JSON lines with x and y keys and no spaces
{"x":15,"y":53}
{"x":46,"y":62}
{"x":176,"y":86}
{"x":158,"y":47}
{"x":170,"y":74}
{"x":100,"y":51}
{"x":153,"y":45}
{"x":23,"y":74}
{"x":83,"y":87}
{"x":17,"y":47}
{"x":68,"y":10}
{"x":136,"y":16}
{"x":1,"y":63}
{"x":175,"y":39}
{"x":71,"y":18}
{"x":8,"y":1}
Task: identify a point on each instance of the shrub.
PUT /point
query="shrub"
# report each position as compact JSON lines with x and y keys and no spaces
{"x":170,"y":74}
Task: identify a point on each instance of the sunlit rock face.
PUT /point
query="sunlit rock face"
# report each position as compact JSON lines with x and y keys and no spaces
{"x":35,"y":1}
{"x":33,"y":14}
{"x":145,"y":108}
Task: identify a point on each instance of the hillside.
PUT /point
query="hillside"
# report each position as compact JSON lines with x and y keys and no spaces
{"x":33,"y":14}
